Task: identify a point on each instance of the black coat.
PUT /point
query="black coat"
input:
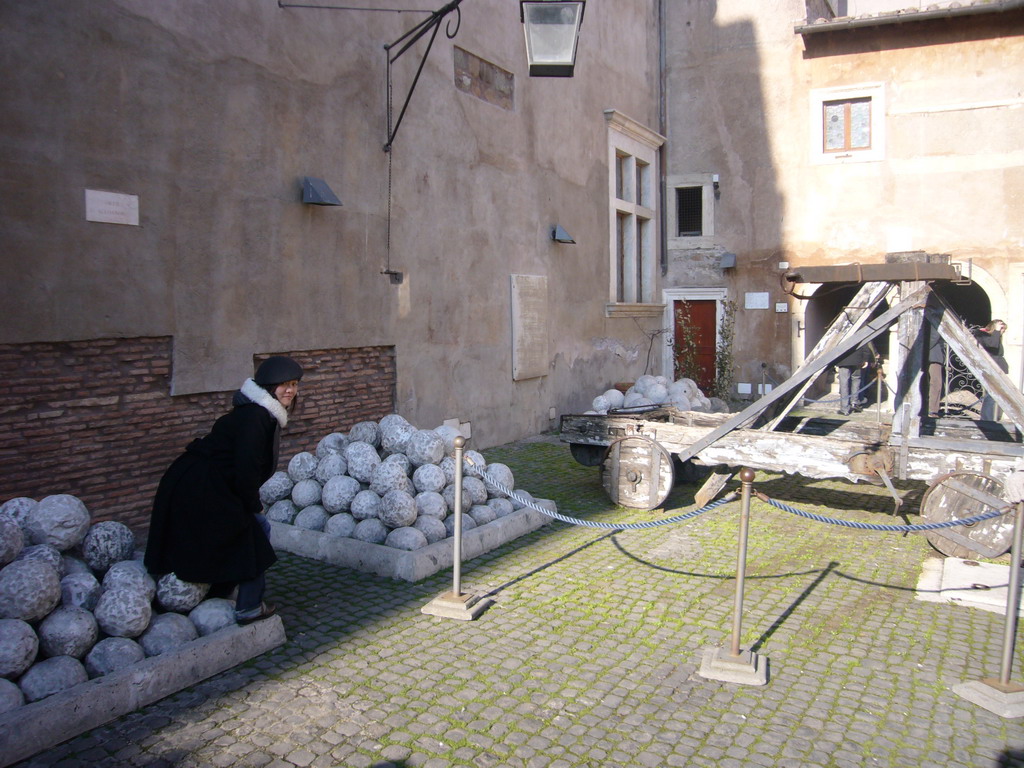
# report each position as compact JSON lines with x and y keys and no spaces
{"x":204,"y":527}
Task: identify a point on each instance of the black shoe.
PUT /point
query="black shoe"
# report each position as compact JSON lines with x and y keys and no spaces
{"x":266,"y":611}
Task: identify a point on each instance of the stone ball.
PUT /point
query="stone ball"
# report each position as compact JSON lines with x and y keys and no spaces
{"x":365,"y":432}
{"x":19,"y":645}
{"x":331,"y":465}
{"x":365,"y":506}
{"x":167,"y":632}
{"x":123,"y":612}
{"x":476,"y":488}
{"x":429,"y":477}
{"x":74,"y":565}
{"x":306,"y":493}
{"x":499,"y":473}
{"x":397,"y":509}
{"x":278,"y":486}
{"x":644,"y":383}
{"x":448,"y":494}
{"x":614,"y":398}
{"x":132,"y":576}
{"x":406,"y":538}
{"x":60,"y":520}
{"x":448,"y":433}
{"x":312,"y":518}
{"x":391,"y":418}
{"x":11,"y":696}
{"x":51,"y":676}
{"x":173,"y":594}
{"x":682,"y":402}
{"x":106,"y":543}
{"x":400,"y":458}
{"x":425,"y":447}
{"x":468,"y":524}
{"x":341,"y":524}
{"x":501,"y":506}
{"x":432,"y":528}
{"x":637,"y":401}
{"x":213,"y":614}
{"x":517,"y":502}
{"x":601,"y":404}
{"x":362,"y":460}
{"x":687,"y":387}
{"x":113,"y":653}
{"x":46,"y":553}
{"x":482,"y":514}
{"x":12,"y":539}
{"x":80,"y":590}
{"x":718,"y":405}
{"x":657,"y":393}
{"x":700,"y":404}
{"x":282,"y":511}
{"x":447,"y":465}
{"x":302,"y":466}
{"x":389,"y":476}
{"x":394,"y":438}
{"x":338,"y":493}
{"x":335,"y":442}
{"x":372,"y":531}
{"x":68,"y":631}
{"x":473,"y":463}
{"x":431,"y":504}
{"x":29,"y":589}
{"x":18,"y":508}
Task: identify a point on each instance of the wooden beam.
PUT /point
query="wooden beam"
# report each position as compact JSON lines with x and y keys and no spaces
{"x":852,"y":341}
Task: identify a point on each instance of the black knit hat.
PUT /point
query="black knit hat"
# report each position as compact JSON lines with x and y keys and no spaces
{"x":277,"y":370}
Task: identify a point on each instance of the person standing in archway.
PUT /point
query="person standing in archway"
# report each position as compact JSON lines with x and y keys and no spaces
{"x":991,"y":339}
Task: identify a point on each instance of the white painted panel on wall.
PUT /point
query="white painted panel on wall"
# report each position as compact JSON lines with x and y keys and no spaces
{"x":111,"y":207}
{"x":529,"y":326}
{"x":755,"y":300}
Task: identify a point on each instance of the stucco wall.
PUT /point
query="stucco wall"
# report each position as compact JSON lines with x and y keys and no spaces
{"x":949,"y":181}
{"x":211,"y":113}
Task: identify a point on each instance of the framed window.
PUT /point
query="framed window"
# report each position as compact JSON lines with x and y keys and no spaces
{"x":691,"y":214}
{"x":633,"y":216}
{"x":848,"y":124}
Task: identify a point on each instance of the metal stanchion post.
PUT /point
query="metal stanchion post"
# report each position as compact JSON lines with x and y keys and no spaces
{"x":455,"y":604}
{"x":1000,"y":695}
{"x":737,"y":666}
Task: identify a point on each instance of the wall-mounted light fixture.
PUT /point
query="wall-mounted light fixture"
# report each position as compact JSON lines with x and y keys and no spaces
{"x":317,"y":192}
{"x":559,"y":235}
{"x":714,"y":184}
{"x":552,"y":29}
{"x":727,"y":261}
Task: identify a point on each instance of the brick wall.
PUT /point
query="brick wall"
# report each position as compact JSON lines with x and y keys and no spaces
{"x":95,"y":419}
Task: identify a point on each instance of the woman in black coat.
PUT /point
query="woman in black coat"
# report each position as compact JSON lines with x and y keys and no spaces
{"x":207,"y":524}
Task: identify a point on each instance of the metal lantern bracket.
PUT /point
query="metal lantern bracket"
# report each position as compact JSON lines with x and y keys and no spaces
{"x":430,"y":24}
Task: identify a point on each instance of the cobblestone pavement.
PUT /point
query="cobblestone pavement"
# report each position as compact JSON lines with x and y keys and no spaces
{"x":589,"y":655}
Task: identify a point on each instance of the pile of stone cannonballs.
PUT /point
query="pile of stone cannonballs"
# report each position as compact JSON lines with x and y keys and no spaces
{"x":387,"y":482}
{"x":683,"y":394}
{"x":77,"y":603}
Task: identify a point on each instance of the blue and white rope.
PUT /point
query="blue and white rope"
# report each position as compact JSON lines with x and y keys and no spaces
{"x":889,"y":528}
{"x":594,"y":524}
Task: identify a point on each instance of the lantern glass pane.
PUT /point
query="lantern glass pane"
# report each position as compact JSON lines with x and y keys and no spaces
{"x":551,"y":31}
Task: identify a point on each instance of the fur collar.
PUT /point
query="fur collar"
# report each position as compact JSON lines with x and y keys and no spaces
{"x":260,"y":396}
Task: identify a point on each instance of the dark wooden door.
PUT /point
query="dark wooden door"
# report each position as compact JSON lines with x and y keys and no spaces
{"x":702,"y":317}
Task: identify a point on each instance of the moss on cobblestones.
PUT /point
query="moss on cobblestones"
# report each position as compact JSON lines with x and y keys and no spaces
{"x":588,"y":656}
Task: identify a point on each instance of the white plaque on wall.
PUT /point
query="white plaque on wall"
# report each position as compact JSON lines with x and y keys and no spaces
{"x":756,"y":301}
{"x":111,"y":207}
{"x":529,"y":326}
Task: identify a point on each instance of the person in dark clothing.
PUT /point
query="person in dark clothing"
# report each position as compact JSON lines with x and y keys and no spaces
{"x":991,"y":339}
{"x":207,"y":524}
{"x":936,"y":370}
{"x":849,"y":368}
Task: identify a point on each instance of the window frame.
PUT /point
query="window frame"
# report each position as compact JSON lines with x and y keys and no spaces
{"x":706,"y":182}
{"x":874,"y":94}
{"x":633,"y":217}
